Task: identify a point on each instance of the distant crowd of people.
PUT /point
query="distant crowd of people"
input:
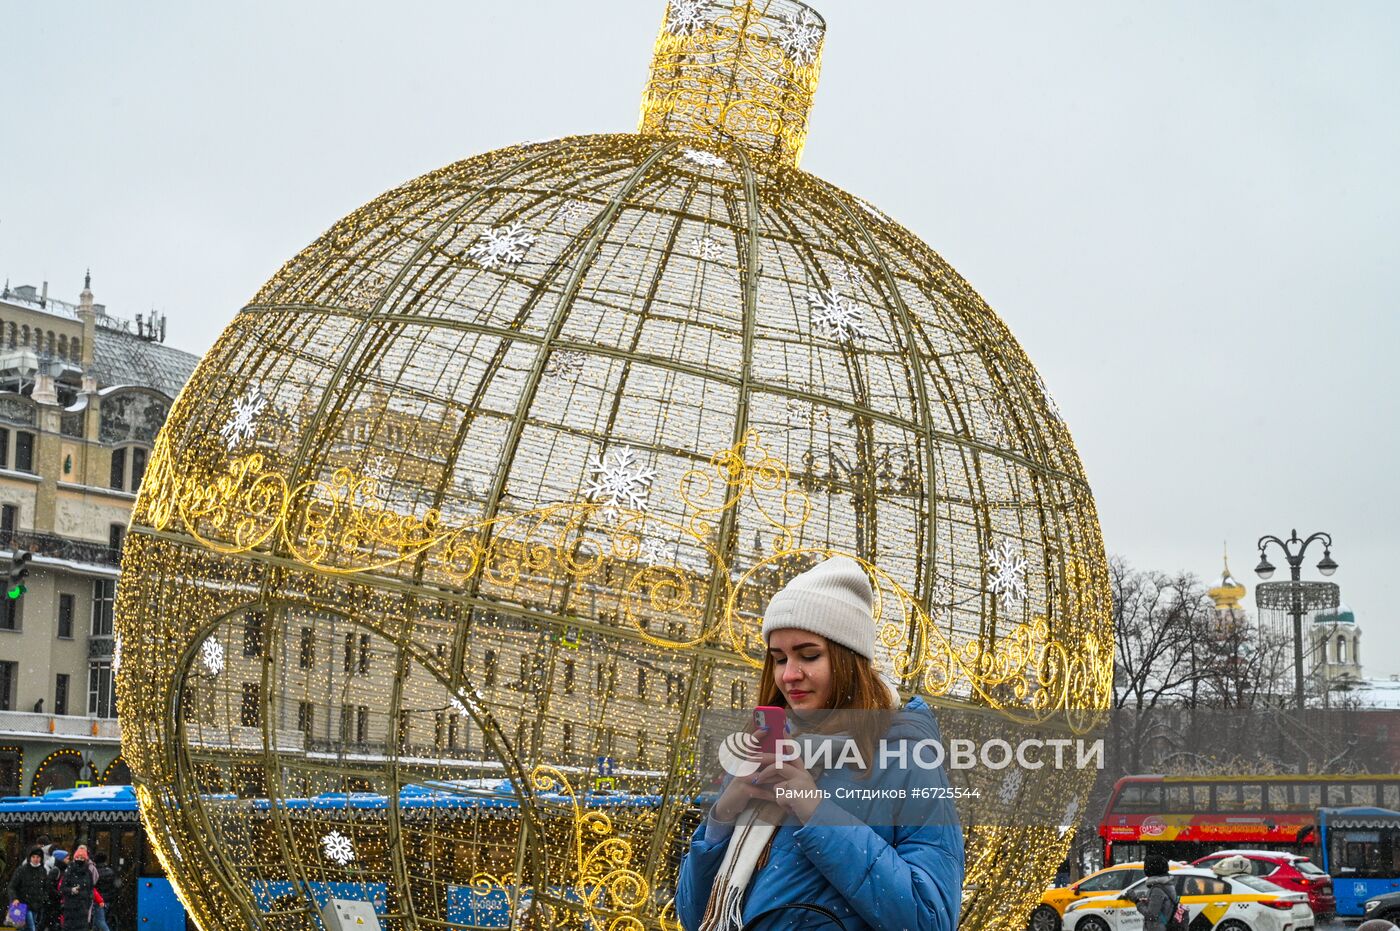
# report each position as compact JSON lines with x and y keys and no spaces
{"x":63,"y":892}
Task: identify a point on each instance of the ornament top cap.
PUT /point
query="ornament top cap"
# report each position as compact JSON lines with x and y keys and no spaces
{"x":740,"y":72}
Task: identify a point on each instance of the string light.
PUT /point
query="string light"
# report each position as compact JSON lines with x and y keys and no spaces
{"x":477,"y":543}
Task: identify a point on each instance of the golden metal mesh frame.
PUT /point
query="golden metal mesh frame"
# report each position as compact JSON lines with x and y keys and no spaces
{"x":495,"y":478}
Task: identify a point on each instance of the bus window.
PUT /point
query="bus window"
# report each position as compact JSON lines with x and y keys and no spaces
{"x":1308,"y":797}
{"x":1178,"y":798}
{"x":1391,"y":796}
{"x":1139,"y":797}
{"x":1362,"y":853}
{"x":1253,"y":796}
{"x":1363,"y":793}
{"x":1200,"y":798}
{"x":1228,"y":797}
{"x":1337,"y":795}
{"x":1279,"y":796}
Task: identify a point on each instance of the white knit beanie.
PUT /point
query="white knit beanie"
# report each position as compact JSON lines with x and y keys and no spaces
{"x":833,"y":599}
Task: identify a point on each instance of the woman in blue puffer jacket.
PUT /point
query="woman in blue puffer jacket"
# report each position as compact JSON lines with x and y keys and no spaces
{"x":874,"y":846}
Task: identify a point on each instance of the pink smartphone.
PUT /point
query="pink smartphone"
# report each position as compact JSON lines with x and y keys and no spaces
{"x":774,"y":719}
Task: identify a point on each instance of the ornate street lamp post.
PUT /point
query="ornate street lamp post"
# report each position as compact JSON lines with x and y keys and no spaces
{"x":1295,"y":596}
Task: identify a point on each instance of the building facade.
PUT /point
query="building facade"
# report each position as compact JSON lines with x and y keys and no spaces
{"x":82,"y":396}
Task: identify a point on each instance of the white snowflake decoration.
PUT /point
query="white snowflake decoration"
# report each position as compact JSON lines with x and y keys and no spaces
{"x":1009,"y":574}
{"x":707,"y":248}
{"x":686,"y":16}
{"x":704,"y":159}
{"x":570,"y":211}
{"x":458,"y":706}
{"x":502,"y":244}
{"x":871,"y":209}
{"x":620,"y":480}
{"x":1011,"y":786}
{"x":246,"y":410}
{"x":337,"y":848}
{"x":379,"y":468}
{"x":801,"y":37}
{"x":564,"y":363}
{"x":845,"y":272}
{"x":654,"y":552}
{"x":836,"y":317}
{"x":211,"y":654}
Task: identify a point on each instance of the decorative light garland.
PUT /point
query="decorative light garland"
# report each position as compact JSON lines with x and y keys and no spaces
{"x":500,"y":457}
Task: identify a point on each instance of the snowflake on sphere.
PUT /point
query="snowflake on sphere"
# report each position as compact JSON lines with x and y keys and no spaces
{"x":1008,"y":574}
{"x":654,"y":552}
{"x":836,"y":317}
{"x":845,"y":272}
{"x":211,"y":654}
{"x":704,"y":159}
{"x":1011,"y":786}
{"x":564,"y":363}
{"x":1049,"y":398}
{"x":337,"y":848}
{"x":801,"y":37}
{"x":686,"y":16}
{"x":707,"y":248}
{"x":458,"y":706}
{"x":246,"y":410}
{"x":502,"y":244}
{"x":620,"y":480}
{"x":570,"y":211}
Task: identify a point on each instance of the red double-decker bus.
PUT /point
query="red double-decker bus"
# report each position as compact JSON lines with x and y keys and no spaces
{"x":1187,"y":817}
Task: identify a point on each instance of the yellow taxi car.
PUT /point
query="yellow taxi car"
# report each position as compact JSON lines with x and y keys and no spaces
{"x":1108,"y":881}
{"x":1213,"y":903}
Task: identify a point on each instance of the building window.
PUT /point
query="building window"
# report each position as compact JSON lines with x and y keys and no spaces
{"x":128,"y":467}
{"x":568,"y":677}
{"x":103,"y":592}
{"x":4,"y":447}
{"x":9,"y":672}
{"x":1341,"y":649}
{"x":568,"y":737}
{"x":116,"y":536}
{"x":253,"y":622}
{"x":60,"y":693}
{"x":364,"y":655}
{"x":9,"y":613}
{"x":347,"y":722}
{"x":251,"y":715}
{"x":349,"y":653}
{"x":24,"y":451}
{"x":490,"y":668}
{"x":306,"y":718}
{"x":102,"y":696}
{"x":362,"y":724}
{"x":641,"y":683}
{"x":65,"y":616}
{"x":307,"y":655}
{"x":9,"y":518}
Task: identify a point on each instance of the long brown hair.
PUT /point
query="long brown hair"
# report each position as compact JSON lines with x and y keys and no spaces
{"x":855,"y":686}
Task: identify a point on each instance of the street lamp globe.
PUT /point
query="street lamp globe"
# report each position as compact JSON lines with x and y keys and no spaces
{"x":1327,"y":565}
{"x":1265,"y":569}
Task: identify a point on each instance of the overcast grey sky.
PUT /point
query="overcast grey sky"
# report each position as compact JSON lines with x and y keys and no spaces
{"x":1186,"y":211}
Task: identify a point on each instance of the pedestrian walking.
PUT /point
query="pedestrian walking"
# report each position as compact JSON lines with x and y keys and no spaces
{"x":107,"y":884}
{"x":29,"y":887}
{"x":776,"y":851}
{"x":1157,"y":901}
{"x":78,"y":892}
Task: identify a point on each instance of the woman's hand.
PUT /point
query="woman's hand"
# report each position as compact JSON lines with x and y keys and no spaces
{"x":740,"y":791}
{"x":790,"y":785}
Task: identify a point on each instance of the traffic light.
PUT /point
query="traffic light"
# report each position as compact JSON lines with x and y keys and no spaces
{"x":19,"y":568}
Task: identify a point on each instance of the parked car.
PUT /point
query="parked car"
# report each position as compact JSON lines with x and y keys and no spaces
{"x":1288,"y":870}
{"x":1110,"y":880}
{"x":1222,"y":903}
{"x":1383,"y":906}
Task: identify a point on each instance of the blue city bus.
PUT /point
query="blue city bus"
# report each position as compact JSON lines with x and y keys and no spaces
{"x":1361,"y":852}
{"x":106,"y":819}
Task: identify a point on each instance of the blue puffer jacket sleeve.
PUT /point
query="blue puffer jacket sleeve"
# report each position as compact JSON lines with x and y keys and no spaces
{"x":698,"y":877}
{"x":914,"y":882}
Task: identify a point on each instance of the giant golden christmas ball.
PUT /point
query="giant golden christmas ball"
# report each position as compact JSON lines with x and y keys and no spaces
{"x":472,"y":512}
